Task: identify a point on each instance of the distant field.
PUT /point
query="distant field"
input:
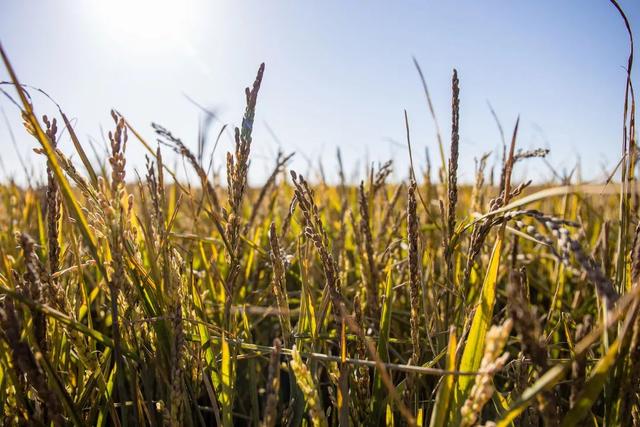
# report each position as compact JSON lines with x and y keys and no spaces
{"x":141,"y":300}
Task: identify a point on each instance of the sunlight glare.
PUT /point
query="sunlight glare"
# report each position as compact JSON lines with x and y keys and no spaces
{"x":144,"y":21}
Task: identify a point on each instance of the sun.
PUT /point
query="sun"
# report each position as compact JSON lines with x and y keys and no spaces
{"x":144,"y":21}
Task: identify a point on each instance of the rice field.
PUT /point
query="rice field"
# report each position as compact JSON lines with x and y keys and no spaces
{"x":141,"y":299}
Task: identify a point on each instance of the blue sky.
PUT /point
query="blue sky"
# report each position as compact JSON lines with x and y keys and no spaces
{"x":338,"y":74}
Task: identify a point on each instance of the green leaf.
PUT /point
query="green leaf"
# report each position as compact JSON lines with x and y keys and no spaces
{"x":379,"y":390}
{"x":439,"y":414}
{"x":474,"y":348}
{"x":226,"y":400}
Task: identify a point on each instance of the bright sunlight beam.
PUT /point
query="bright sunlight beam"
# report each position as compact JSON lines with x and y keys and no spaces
{"x":144,"y":22}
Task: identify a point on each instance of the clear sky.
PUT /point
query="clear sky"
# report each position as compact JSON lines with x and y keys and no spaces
{"x":338,"y":74}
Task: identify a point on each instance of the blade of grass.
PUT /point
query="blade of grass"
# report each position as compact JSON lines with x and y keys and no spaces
{"x":379,"y":396}
{"x":440,"y":410}
{"x":226,"y":400}
{"x":474,"y":347}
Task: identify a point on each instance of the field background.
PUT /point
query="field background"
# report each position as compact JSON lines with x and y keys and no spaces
{"x":141,"y":299}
